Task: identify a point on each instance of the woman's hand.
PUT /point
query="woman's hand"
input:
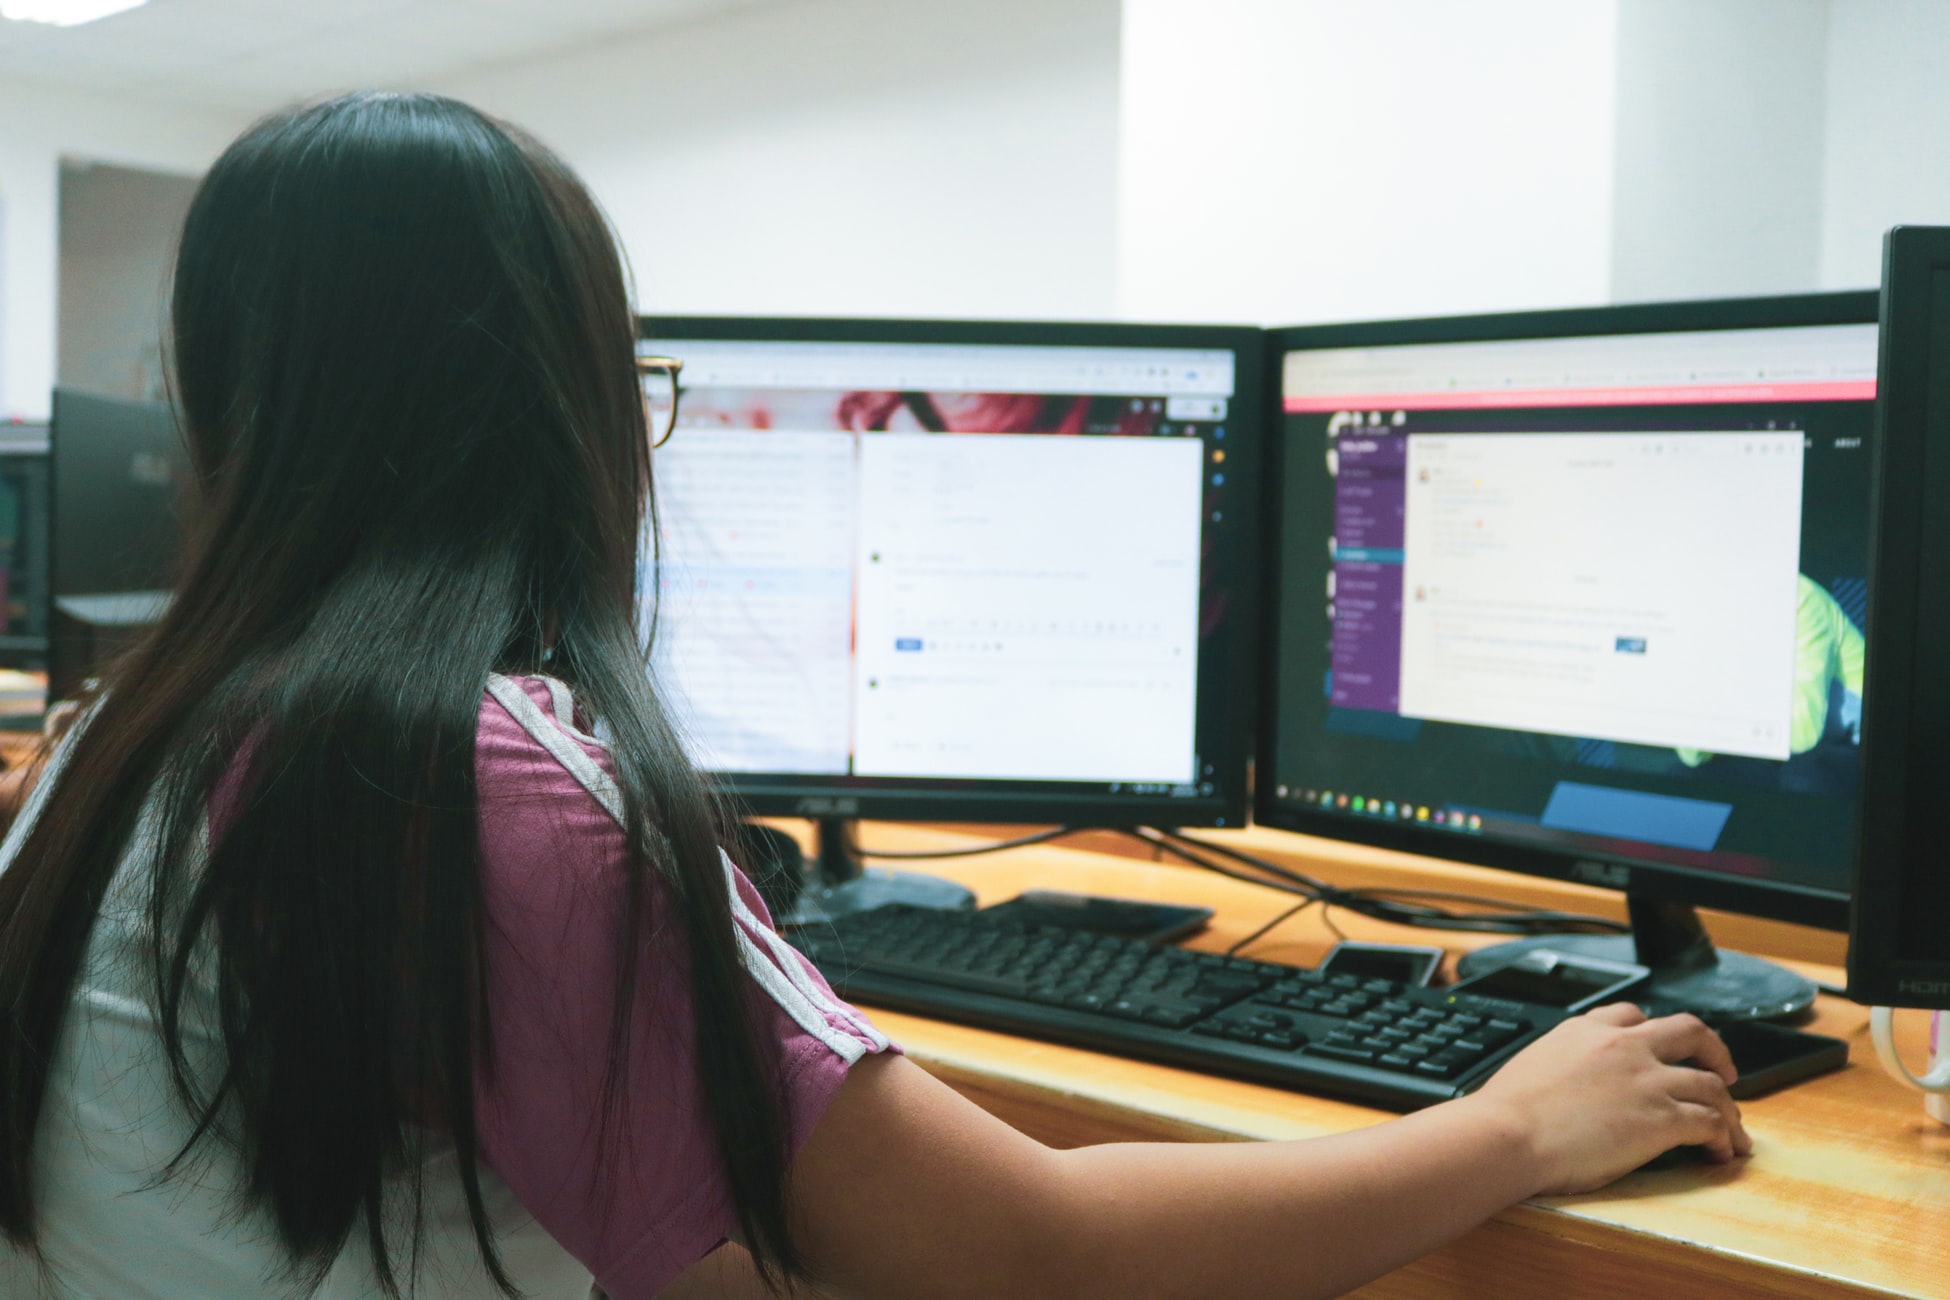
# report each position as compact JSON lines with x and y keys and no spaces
{"x":1605,"y":1092}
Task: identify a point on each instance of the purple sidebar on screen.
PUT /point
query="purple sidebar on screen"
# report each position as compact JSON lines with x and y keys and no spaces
{"x":1370,"y":495}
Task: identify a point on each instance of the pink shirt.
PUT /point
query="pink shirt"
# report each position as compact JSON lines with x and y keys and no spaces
{"x":551,"y":859}
{"x":635,"y":1215}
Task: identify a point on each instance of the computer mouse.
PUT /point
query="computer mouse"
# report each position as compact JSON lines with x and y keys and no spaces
{"x":1693,"y":1154}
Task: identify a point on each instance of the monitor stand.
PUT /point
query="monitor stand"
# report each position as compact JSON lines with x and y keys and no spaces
{"x":1688,"y":972}
{"x":840,"y":883}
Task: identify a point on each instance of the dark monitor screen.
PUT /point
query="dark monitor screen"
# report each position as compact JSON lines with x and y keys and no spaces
{"x":1899,"y":945}
{"x":23,"y":545}
{"x":1581,"y":593}
{"x":962,"y":570}
{"x":117,"y":468}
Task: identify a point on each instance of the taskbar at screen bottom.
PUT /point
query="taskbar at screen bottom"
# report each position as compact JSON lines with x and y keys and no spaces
{"x":1070,"y":804}
{"x":1725,"y":881}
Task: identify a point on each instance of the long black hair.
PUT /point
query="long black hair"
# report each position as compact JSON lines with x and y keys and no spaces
{"x":404,"y":366}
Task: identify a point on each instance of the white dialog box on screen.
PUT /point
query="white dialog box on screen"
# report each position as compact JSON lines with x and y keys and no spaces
{"x":1028,"y":607}
{"x":1635,"y":587}
{"x":754,"y":629}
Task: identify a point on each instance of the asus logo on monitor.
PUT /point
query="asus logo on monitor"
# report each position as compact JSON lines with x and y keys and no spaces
{"x":1608,"y":874}
{"x":1929,"y":988}
{"x":817,"y":807}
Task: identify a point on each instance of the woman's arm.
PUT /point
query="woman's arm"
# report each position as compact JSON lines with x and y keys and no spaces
{"x":906,"y":1189}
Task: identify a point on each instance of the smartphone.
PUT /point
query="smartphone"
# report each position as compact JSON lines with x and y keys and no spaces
{"x":1127,"y":918}
{"x":1405,"y":963}
{"x":1773,"y":1056}
{"x":1544,"y":977}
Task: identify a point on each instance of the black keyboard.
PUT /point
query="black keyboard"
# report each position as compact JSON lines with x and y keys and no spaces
{"x":1370,"y":1040}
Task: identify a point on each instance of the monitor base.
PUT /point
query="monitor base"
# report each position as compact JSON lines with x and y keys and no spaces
{"x":840,"y":883}
{"x":1732,"y":986}
{"x":876,"y":887}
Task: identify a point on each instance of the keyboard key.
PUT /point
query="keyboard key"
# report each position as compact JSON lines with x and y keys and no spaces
{"x":1169,"y":1017}
{"x":1335,"y":1052}
{"x":1396,"y":1061}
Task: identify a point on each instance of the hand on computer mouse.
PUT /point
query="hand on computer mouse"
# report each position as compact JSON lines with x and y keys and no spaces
{"x":1676,"y":1158}
{"x":1605,"y":1092}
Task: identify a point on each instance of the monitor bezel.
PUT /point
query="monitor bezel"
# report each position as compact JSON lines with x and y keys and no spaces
{"x":1826,"y":909}
{"x":1890,"y":725}
{"x":1233,"y":717}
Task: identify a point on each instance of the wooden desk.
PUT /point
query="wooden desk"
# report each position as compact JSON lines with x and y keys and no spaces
{"x":1847,"y":1194}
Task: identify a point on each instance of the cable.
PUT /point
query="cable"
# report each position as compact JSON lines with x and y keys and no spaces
{"x":1040,"y":837}
{"x":1401,"y":906}
{"x":1271,"y":925}
{"x":1146,"y":834}
{"x":1157,"y":840}
{"x":1262,"y":864}
{"x":1183,"y":847}
{"x":1405,"y":907}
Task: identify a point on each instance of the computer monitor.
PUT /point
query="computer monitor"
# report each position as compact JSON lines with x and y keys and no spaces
{"x":1582,"y":594}
{"x":1899,"y":941}
{"x":117,"y":470}
{"x":23,"y":545}
{"x":962,"y":570}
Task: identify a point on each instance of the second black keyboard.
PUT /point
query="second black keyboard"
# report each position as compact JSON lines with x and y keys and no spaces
{"x":1369,"y":1040}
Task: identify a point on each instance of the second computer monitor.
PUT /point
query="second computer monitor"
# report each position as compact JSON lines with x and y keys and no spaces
{"x":962,"y":570}
{"x":118,"y":471}
{"x":1582,"y":593}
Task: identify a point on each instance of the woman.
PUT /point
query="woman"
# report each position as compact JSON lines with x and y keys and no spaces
{"x":338,"y":954}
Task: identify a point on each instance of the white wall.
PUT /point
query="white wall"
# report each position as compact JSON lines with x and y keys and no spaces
{"x":38,"y":127}
{"x":851,"y":157}
{"x":1307,"y":160}
{"x":1721,"y":105}
{"x":1888,"y":130}
{"x":1261,"y":160}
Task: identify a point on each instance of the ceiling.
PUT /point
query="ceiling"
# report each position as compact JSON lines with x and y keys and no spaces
{"x":253,"y":55}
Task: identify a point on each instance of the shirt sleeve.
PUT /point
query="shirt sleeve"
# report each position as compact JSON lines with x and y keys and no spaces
{"x":641,"y":1209}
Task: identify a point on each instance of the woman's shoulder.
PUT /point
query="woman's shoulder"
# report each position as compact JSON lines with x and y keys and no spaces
{"x":530,"y":735}
{"x":546,"y":789}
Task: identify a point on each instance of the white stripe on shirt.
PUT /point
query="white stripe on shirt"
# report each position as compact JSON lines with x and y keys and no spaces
{"x":802,"y":1005}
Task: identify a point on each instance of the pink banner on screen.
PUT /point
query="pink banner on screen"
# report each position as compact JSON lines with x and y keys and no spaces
{"x":1845,"y":390}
